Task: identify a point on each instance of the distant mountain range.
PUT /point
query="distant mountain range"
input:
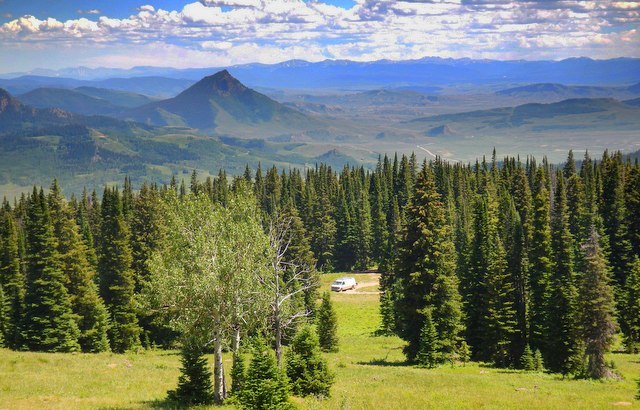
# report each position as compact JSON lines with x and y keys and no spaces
{"x":429,"y":72}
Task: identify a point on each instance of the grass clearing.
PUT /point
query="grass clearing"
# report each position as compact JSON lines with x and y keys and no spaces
{"x":370,"y":373}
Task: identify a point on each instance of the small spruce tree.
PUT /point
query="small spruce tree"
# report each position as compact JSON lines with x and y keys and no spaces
{"x":527,"y":361}
{"x":307,"y":370}
{"x":428,"y":349}
{"x":3,"y":317}
{"x":265,"y":387}
{"x":238,"y":374}
{"x":538,"y":363}
{"x":194,"y":384}
{"x":327,"y":325}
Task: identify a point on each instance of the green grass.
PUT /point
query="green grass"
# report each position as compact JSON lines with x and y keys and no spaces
{"x":369,"y":369}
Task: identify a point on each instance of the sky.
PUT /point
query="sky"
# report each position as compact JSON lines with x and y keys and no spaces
{"x":215,"y":33}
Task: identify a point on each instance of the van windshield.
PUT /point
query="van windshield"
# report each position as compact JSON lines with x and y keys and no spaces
{"x":338,"y":282}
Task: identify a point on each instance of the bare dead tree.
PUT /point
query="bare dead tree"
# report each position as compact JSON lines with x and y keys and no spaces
{"x":284,"y":281}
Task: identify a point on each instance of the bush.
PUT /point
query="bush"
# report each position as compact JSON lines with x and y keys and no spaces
{"x":307,"y":370}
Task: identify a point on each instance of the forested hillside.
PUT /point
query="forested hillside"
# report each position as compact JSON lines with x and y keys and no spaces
{"x":516,"y":263}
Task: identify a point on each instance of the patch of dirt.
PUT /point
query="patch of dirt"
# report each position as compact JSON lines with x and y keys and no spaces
{"x":622,"y":403}
{"x":363,"y":285}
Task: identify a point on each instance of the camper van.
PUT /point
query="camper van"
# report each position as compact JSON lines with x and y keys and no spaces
{"x":343,"y":284}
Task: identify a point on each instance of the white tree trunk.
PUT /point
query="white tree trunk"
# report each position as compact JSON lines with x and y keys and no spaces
{"x":218,"y":371}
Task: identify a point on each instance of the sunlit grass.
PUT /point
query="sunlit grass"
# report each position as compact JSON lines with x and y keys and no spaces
{"x":370,"y":373}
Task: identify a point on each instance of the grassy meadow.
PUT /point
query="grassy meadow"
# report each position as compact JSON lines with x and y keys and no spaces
{"x":370,"y":374}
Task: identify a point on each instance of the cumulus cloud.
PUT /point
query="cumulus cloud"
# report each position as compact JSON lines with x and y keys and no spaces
{"x":221,"y":32}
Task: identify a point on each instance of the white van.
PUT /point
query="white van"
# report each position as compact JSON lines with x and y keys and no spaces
{"x":343,"y":284}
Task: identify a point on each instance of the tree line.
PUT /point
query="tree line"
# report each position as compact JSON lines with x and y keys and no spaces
{"x":495,"y":260}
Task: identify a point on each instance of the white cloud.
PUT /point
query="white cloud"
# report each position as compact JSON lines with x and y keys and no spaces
{"x":221,"y":32}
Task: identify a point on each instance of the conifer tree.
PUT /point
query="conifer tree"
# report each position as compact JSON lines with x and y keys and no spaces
{"x":327,"y":325}
{"x":49,"y":323}
{"x":12,"y":278}
{"x":238,"y":374}
{"x":598,"y":309}
{"x":631,"y":308}
{"x":426,"y":256}
{"x":4,"y":318}
{"x":265,"y":387}
{"x":562,"y":347}
{"x":194,"y":384}
{"x":91,"y":314}
{"x":540,"y":259}
{"x":116,"y":276}
{"x":307,"y":371}
{"x":538,"y":362}
{"x":526,"y":360}
{"x":632,"y":207}
{"x":428,"y":349}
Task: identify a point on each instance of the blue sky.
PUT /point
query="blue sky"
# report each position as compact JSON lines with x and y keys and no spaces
{"x":200,"y":33}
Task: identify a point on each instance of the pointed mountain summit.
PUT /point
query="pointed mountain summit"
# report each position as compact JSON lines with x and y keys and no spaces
{"x":222,"y":103}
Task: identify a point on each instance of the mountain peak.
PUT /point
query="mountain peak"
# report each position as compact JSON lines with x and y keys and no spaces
{"x":221,"y":83}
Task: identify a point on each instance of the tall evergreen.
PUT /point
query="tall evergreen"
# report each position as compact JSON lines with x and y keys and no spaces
{"x":12,"y":278}
{"x":598,"y":309}
{"x":116,"y":276}
{"x":88,"y":307}
{"x":630,"y":309}
{"x":540,"y":260}
{"x":49,"y":323}
{"x":562,"y":351}
{"x":426,"y":257}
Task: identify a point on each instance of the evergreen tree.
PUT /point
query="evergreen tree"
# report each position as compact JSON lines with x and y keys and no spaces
{"x":540,"y":259}
{"x":426,"y":270}
{"x":116,"y":276}
{"x":265,"y":387}
{"x":91,"y":314}
{"x":238,"y":374}
{"x":527,"y":360}
{"x":307,"y":371}
{"x":538,"y":362}
{"x":49,"y":323}
{"x":631,"y":308}
{"x":598,"y":310}
{"x":4,"y":318}
{"x":12,"y":278}
{"x":562,"y":350}
{"x":327,"y":325}
{"x":428,"y":349}
{"x":194,"y":383}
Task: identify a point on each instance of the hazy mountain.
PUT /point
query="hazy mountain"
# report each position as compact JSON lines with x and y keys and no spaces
{"x":554,"y":91}
{"x":220,"y":102}
{"x":116,"y":97}
{"x":160,"y":87}
{"x":572,"y":114}
{"x":430,"y":72}
{"x":68,"y":100}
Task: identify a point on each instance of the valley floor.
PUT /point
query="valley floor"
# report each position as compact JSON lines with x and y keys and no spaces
{"x":370,"y":374}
